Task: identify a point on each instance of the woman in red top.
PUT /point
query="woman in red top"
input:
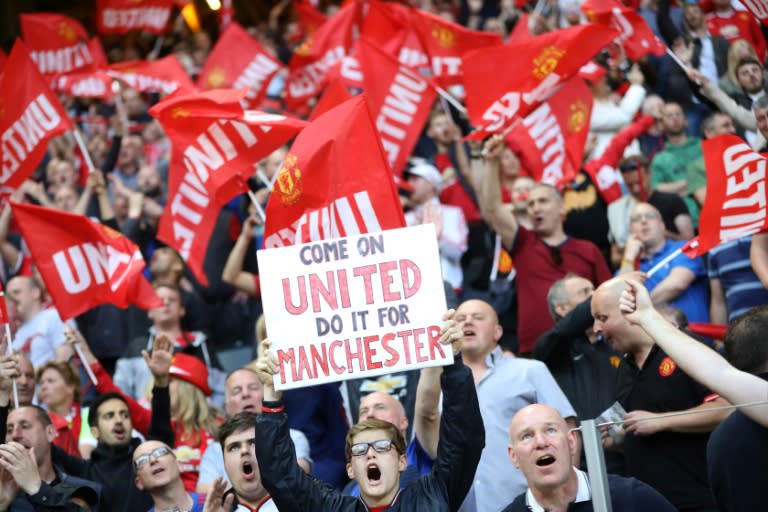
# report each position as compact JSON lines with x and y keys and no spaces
{"x":60,"y":394}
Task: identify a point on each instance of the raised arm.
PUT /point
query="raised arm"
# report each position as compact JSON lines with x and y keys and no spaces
{"x":159,"y":363}
{"x":233,"y":272}
{"x":501,"y":219}
{"x":697,"y":360}
{"x":462,"y":434}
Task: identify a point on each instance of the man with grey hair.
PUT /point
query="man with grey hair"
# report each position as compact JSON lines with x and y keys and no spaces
{"x":583,"y":365}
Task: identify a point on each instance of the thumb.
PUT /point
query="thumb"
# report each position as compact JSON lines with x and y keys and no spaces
{"x":145,"y":355}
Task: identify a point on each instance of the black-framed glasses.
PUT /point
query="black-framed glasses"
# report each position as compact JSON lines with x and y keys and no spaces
{"x":158,"y":452}
{"x":379,"y":446}
{"x":557,"y":255}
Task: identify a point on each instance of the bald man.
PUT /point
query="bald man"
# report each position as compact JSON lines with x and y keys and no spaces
{"x":669,"y":453}
{"x":543,"y":448}
{"x":504,"y":386}
{"x":158,"y":472}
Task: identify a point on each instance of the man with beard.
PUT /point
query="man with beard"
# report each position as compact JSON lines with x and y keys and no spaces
{"x":111,"y":462}
{"x":238,"y":441}
{"x":669,"y":168}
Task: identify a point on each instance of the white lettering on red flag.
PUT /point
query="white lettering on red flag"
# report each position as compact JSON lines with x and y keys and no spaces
{"x":736,"y":192}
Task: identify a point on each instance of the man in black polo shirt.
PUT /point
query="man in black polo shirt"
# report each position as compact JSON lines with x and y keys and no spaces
{"x":669,"y":453}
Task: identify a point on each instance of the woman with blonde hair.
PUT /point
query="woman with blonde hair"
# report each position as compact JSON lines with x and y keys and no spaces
{"x":738,"y":50}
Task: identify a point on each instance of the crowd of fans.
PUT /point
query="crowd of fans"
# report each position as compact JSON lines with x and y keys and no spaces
{"x":536,"y":274}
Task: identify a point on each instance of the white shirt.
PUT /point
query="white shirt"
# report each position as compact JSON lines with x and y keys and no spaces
{"x":39,"y":337}
{"x":584,"y":493}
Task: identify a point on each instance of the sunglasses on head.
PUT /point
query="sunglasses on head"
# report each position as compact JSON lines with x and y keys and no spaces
{"x":379,"y":446}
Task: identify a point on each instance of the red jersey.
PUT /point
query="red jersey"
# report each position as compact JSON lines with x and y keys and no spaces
{"x":734,"y":25}
{"x":538,"y":267}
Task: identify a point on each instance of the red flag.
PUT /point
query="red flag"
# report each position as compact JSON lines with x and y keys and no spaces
{"x":318,"y":53}
{"x":388,"y":25}
{"x":446,"y":43}
{"x":30,"y":115}
{"x":334,"y":182}
{"x":121,"y":16}
{"x":635,"y":36}
{"x":97,"y":53}
{"x":497,"y":94}
{"x":215,"y":144}
{"x":238,"y":61}
{"x":309,"y":18}
{"x":400,"y":102}
{"x":336,"y":93}
{"x":165,"y":75}
{"x":736,"y":193}
{"x":88,"y":84}
{"x":3,"y":58}
{"x":551,"y":138}
{"x":84,"y":264}
{"x":57,"y":44}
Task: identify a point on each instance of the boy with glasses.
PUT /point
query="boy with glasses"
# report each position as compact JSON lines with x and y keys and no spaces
{"x":375,"y":451}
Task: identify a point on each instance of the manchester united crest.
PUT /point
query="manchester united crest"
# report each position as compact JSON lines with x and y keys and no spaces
{"x":288,"y":182}
{"x":67,"y":31}
{"x":547,"y":61}
{"x":444,"y":36}
{"x":579,"y":116}
{"x":179,"y":112}
{"x":305,"y":49}
{"x":667,"y":367}
{"x":216,"y":78}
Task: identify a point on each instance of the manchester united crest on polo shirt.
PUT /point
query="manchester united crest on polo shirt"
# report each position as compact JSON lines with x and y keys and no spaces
{"x":667,"y":367}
